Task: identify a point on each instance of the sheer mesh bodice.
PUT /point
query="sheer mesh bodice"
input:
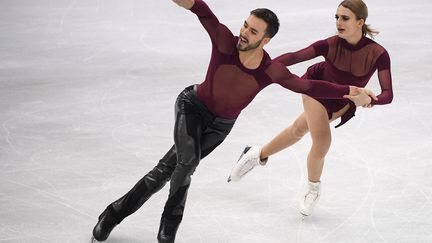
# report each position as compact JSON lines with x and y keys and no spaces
{"x":229,"y":86}
{"x":346,"y":64}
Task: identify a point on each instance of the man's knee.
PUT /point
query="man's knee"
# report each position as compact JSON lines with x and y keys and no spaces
{"x":189,"y":162}
{"x":188,"y":154}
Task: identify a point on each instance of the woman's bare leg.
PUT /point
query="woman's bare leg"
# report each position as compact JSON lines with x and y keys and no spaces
{"x":318,"y":123}
{"x":286,"y":138}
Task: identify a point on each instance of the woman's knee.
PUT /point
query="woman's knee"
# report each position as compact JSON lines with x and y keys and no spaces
{"x":321,"y":136}
{"x":299,"y":128}
{"x":321,"y":142}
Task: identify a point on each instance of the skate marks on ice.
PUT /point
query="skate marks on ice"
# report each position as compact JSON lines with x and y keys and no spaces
{"x":81,"y":121}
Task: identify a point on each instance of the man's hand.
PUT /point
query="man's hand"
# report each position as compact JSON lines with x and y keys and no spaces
{"x":187,"y":4}
{"x":361,"y":96}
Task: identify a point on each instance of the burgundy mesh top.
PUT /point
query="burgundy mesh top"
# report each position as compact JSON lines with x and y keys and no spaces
{"x":229,"y":86}
{"x":347,"y":64}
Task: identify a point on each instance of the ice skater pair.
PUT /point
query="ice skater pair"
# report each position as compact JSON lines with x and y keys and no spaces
{"x":205,"y":113}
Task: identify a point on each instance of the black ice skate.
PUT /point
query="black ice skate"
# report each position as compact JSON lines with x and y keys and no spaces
{"x":105,"y":225}
{"x":167,"y":230}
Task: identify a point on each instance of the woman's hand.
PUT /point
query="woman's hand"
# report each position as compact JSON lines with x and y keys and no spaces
{"x":361,"y":96}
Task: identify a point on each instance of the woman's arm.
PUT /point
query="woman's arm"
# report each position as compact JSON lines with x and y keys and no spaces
{"x":385,"y":80}
{"x":319,"y":48}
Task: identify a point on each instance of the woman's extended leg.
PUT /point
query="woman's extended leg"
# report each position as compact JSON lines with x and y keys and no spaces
{"x":286,"y":138}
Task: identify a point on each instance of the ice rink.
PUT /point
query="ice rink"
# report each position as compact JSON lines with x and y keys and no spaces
{"x":87,"y":92}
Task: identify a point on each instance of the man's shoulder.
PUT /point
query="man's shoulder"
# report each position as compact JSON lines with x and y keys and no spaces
{"x":227,"y":47}
{"x":276,"y":70}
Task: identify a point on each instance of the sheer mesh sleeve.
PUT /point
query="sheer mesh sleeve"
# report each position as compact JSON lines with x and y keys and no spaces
{"x":220,"y":35}
{"x":383,"y":61}
{"x":318,"y":48}
{"x":386,"y":95}
{"x":314,"y":88}
{"x":384,"y":76}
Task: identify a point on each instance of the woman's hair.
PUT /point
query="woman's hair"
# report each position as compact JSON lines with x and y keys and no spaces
{"x":359,"y":8}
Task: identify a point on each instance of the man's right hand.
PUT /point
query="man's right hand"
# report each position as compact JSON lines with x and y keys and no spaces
{"x":187,"y":4}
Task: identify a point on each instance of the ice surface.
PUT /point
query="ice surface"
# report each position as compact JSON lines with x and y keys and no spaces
{"x":87,"y":91}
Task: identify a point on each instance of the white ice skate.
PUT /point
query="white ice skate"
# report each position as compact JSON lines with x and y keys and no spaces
{"x":310,"y":199}
{"x":249,"y":158}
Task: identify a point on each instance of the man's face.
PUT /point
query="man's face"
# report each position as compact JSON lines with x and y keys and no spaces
{"x":252,"y":34}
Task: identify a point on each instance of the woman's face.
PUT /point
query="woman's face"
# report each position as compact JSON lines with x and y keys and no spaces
{"x":347,"y":24}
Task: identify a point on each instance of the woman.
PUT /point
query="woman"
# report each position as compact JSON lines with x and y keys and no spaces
{"x":350,"y":58}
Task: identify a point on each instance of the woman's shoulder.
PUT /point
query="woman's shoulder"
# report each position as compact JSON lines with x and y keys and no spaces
{"x":378,"y":48}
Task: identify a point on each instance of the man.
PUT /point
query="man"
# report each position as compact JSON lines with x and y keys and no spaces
{"x":205,"y":113}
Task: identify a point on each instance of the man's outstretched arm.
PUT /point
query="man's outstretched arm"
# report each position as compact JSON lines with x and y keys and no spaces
{"x":318,"y":88}
{"x":220,"y":35}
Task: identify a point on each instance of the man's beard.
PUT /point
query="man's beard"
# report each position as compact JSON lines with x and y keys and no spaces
{"x":249,"y":46}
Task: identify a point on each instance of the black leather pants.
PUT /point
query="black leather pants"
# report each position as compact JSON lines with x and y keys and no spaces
{"x":197,"y":133}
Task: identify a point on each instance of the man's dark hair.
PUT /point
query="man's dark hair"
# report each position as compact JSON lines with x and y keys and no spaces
{"x":270,"y":18}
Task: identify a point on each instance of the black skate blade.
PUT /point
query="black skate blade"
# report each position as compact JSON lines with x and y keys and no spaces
{"x":246,"y":149}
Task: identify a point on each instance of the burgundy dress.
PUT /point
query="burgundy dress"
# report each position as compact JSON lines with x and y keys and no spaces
{"x":346,"y":64}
